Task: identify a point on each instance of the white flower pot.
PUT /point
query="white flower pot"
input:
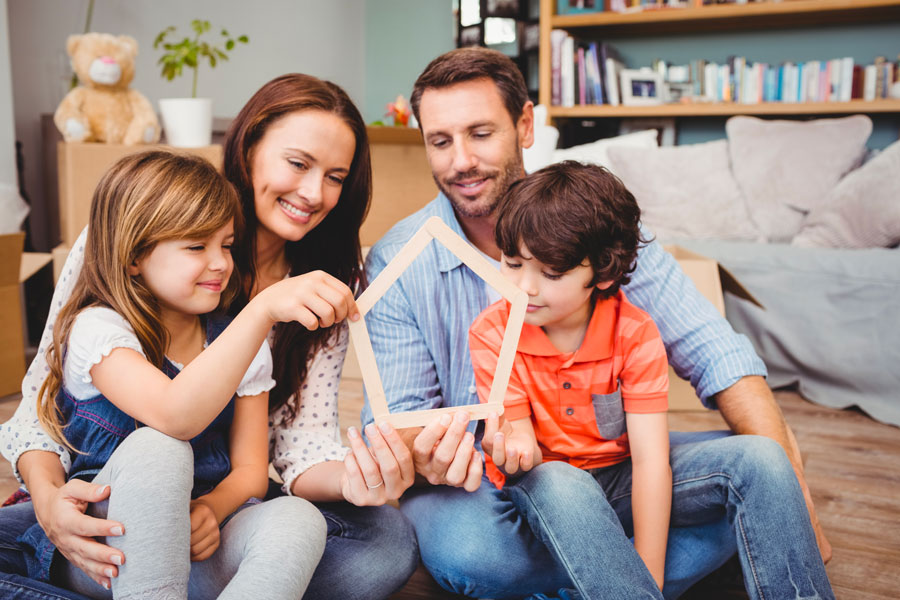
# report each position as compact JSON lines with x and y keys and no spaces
{"x":187,"y":121}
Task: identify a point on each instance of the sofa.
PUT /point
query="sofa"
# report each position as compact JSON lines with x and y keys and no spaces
{"x":808,"y":220}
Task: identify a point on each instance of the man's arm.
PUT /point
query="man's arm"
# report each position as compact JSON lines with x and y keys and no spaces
{"x":749,"y":407}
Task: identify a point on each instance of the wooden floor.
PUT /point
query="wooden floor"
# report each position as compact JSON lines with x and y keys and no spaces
{"x":852,"y":466}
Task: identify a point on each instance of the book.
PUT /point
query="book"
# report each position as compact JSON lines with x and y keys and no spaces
{"x":557,"y":36}
{"x":613,"y":66}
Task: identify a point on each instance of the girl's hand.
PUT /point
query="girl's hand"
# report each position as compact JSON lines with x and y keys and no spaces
{"x":314,"y":300}
{"x":204,"y":531}
{"x":373,"y":476}
{"x":512,"y":451}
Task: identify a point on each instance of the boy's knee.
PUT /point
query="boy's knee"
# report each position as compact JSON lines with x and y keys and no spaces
{"x":557,"y":478}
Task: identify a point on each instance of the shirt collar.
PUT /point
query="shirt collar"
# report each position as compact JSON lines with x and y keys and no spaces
{"x":446,"y":260}
{"x":598,"y":341}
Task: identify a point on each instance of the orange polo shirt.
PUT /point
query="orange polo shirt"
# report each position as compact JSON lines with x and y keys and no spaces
{"x":577,"y":400}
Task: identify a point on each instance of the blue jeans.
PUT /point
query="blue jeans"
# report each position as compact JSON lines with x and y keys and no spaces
{"x":481,"y":544}
{"x":369,"y":553}
{"x":14,"y":581}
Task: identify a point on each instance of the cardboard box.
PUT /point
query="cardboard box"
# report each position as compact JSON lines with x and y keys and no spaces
{"x":81,"y":165}
{"x":401,"y":179}
{"x":15,"y":268}
{"x":712,"y":280}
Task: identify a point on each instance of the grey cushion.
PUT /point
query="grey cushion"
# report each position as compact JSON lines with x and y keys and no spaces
{"x":685,"y":191}
{"x":786,"y":168}
{"x":863,"y":211}
{"x":830,"y":319}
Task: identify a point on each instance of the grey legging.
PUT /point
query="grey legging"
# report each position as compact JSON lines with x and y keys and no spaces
{"x":267,"y":550}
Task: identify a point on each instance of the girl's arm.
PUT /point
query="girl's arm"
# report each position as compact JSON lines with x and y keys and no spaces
{"x":182,"y":407}
{"x":651,"y":488}
{"x":249,"y":476}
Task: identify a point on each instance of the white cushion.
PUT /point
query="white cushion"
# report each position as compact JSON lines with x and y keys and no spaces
{"x":786,"y":168}
{"x":685,"y":192}
{"x":596,"y":153}
{"x":863,"y":211}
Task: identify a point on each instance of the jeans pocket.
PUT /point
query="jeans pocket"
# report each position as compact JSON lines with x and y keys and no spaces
{"x":610,"y":414}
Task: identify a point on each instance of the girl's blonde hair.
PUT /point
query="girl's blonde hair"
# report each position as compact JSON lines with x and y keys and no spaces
{"x":143,"y":199}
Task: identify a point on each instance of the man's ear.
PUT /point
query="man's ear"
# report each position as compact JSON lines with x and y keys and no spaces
{"x":525,"y":126}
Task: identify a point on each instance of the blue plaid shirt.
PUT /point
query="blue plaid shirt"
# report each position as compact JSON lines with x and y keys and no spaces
{"x":419,"y":328}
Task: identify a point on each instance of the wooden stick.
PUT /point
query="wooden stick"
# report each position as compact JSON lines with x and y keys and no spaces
{"x":435,"y":229}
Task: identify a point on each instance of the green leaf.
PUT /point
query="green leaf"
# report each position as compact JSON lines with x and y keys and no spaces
{"x":244,"y":39}
{"x":229,"y":45}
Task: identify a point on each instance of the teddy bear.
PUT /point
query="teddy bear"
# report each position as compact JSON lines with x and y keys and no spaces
{"x":103,"y":108}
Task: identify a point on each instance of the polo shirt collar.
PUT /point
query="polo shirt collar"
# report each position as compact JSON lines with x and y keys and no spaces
{"x":598,"y":341}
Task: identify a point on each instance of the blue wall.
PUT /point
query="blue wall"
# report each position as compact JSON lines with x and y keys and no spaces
{"x":402,"y":36}
{"x":862,"y":42}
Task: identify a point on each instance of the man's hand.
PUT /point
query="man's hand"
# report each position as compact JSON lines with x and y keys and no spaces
{"x":444,"y":453}
{"x":513,"y":451}
{"x":204,"y":531}
{"x":62,"y":516}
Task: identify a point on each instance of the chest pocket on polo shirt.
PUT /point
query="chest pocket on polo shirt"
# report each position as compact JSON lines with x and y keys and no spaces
{"x":610,"y":414}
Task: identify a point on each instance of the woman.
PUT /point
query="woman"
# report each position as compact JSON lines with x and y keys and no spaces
{"x":299,"y":157}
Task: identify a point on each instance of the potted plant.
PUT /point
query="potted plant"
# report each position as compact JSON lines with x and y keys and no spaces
{"x":188,"y":121}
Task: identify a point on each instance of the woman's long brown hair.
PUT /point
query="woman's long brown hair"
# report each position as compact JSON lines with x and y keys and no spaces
{"x":142,"y":200}
{"x":333,"y":246}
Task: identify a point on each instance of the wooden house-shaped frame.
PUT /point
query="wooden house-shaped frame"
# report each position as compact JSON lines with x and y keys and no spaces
{"x":435,"y":229}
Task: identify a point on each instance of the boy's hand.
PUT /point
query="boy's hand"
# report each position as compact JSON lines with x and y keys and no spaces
{"x":204,"y":531}
{"x":512,"y":451}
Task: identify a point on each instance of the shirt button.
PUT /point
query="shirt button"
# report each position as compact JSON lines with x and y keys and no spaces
{"x":567,"y":385}
{"x":570,"y":411}
{"x":472,"y":389}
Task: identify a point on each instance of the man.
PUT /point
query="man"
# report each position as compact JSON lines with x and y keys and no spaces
{"x":475,"y":116}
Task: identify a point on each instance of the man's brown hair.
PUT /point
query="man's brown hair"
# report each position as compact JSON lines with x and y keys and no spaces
{"x":468,"y":64}
{"x":567,"y":212}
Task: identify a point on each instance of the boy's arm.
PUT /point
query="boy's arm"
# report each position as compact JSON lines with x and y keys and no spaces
{"x":248,"y":478}
{"x":512,"y":445}
{"x":651,"y":488}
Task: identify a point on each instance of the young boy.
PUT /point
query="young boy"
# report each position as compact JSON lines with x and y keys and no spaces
{"x":589,"y":384}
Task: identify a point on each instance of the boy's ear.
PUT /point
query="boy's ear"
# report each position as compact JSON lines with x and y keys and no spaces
{"x":604,"y":285}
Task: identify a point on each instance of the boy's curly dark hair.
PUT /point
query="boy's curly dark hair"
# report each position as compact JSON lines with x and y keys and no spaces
{"x":567,"y":212}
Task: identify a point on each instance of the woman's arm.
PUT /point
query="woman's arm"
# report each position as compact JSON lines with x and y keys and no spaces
{"x":327,"y":471}
{"x":651,"y":488}
{"x":248,"y":478}
{"x":59,"y":507}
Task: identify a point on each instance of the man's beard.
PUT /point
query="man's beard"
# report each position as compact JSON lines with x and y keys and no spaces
{"x":485,"y":205}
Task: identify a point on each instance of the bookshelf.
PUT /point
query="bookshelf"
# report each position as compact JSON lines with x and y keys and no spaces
{"x":721,"y":17}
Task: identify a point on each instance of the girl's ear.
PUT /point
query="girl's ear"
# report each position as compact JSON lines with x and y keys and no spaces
{"x":603,"y":285}
{"x":133,"y":269}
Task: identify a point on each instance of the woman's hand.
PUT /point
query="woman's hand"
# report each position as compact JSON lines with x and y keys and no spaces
{"x":314,"y":300}
{"x":204,"y":531}
{"x":373,"y":476}
{"x":62,"y":516}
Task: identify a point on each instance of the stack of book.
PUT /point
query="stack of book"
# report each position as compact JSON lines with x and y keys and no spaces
{"x":587,"y":72}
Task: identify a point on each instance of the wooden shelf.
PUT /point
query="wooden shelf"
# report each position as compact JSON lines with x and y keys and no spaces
{"x":800,"y":13}
{"x":727,"y":109}
{"x":750,"y":16}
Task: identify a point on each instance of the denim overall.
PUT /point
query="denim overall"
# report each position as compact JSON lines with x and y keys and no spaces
{"x":96,"y":427}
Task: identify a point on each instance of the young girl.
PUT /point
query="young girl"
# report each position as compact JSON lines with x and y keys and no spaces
{"x":130,"y":379}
